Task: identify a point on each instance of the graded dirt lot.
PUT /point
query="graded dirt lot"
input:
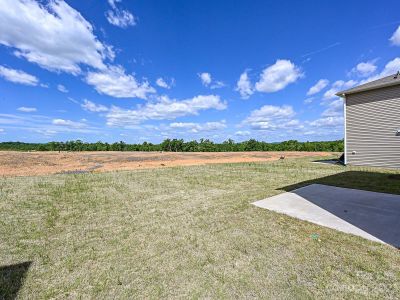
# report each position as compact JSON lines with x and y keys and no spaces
{"x":13,"y":163}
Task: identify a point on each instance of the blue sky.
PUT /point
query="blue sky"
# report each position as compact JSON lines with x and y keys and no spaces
{"x":144,"y":70}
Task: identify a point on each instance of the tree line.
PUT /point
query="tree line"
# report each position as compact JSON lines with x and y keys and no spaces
{"x":178,"y":145}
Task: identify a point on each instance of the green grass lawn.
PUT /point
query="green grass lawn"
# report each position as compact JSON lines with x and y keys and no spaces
{"x":185,"y":232}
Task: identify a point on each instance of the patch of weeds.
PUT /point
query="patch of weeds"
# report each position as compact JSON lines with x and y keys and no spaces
{"x":52,"y":216}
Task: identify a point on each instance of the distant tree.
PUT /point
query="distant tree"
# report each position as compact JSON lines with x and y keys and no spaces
{"x":204,"y":145}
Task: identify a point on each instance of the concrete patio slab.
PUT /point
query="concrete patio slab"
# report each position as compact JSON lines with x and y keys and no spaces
{"x":371,"y":215}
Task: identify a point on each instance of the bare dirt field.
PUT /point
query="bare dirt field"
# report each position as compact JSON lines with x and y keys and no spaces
{"x":13,"y":163}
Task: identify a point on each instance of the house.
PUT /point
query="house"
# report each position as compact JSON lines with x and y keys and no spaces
{"x":372,"y":123}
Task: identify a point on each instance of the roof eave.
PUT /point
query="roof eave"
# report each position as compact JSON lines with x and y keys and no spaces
{"x":348,"y":92}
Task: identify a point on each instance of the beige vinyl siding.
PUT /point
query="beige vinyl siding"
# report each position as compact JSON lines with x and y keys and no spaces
{"x":372,"y":118}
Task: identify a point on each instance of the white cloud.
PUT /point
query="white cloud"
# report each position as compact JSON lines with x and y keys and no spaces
{"x":45,"y":125}
{"x":271,"y":111}
{"x":166,"y":109}
{"x":337,"y":86}
{"x":18,"y":76}
{"x":331,"y":119}
{"x":93,"y":107}
{"x":319,"y":86}
{"x":335,"y":108}
{"x":242,"y":133}
{"x":309,"y":100}
{"x":364,"y":69}
{"x":395,"y":39}
{"x":112,"y":3}
{"x":68,"y":123}
{"x":217,"y":85}
{"x":273,"y":78}
{"x":336,"y":121}
{"x":54,"y":36}
{"x":244,"y":86}
{"x":199,"y":127}
{"x":46,"y":132}
{"x":392,"y":67}
{"x":205,"y":78}
{"x":73,"y":100}
{"x":271,"y":117}
{"x":278,"y":76}
{"x":9,"y":119}
{"x":310,"y":132}
{"x":118,"y":17}
{"x":162,"y":83}
{"x":1,"y":130}
{"x":207,"y":81}
{"x":62,"y":88}
{"x":116,"y":83}
{"x":27,"y":109}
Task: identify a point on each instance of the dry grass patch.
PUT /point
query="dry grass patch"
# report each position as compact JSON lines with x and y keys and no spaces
{"x":187,"y":232}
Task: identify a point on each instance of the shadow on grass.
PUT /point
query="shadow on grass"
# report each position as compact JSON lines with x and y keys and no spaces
{"x":376,"y":214}
{"x":12,"y":278}
{"x":363,"y":180}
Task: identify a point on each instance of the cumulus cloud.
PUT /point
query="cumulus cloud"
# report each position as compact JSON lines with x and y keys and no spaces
{"x":392,"y":67}
{"x":276,"y":77}
{"x":54,"y":36}
{"x":395,"y":39}
{"x":364,"y":69}
{"x":309,"y":100}
{"x":331,"y":120}
{"x":162,"y":83}
{"x":205,"y":78}
{"x":93,"y":107}
{"x":336,"y":121}
{"x":270,"y":117}
{"x":199,"y":127}
{"x":27,"y":109}
{"x":335,"y":108}
{"x":62,"y":88}
{"x":273,"y":78}
{"x":18,"y":76}
{"x":217,"y":85}
{"x":45,"y":125}
{"x":337,"y":86}
{"x":242,"y":133}
{"x":116,"y":83}
{"x":68,"y":123}
{"x":113,"y":3}
{"x":118,"y":17}
{"x":165,"y":109}
{"x":319,"y":86}
{"x":207,"y":81}
{"x":243,"y":86}
{"x":46,"y":132}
